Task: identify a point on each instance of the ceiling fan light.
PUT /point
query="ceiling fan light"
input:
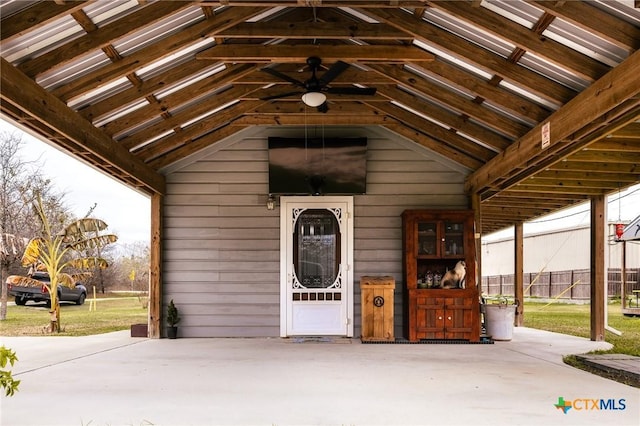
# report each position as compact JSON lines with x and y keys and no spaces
{"x":314,"y":99}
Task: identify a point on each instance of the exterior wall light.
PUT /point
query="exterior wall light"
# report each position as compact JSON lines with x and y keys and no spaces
{"x":271,"y":202}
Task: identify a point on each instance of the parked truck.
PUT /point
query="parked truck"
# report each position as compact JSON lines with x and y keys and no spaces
{"x":23,"y":292}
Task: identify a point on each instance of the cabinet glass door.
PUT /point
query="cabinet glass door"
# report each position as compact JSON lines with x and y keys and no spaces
{"x":453,"y":238}
{"x":427,"y":238}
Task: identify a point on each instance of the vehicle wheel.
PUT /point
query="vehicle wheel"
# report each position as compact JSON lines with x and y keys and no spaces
{"x":81,"y":299}
{"x":21,"y":301}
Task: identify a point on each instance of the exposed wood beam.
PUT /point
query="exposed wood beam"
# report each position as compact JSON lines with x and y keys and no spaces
{"x":527,"y":40}
{"x":200,"y":89}
{"x":623,"y":82}
{"x":299,"y":111}
{"x":570,"y":191}
{"x":434,"y":145}
{"x":481,"y":88}
{"x":543,"y":182}
{"x":296,"y":96}
{"x":189,"y":135}
{"x":311,"y":30}
{"x":491,"y":119}
{"x":22,"y":92}
{"x":177,"y":121}
{"x":614,"y":157}
{"x":468,"y":52}
{"x":611,"y":144}
{"x":313,"y":120}
{"x":456,"y":122}
{"x":281,"y":53}
{"x":297,"y":72}
{"x":35,"y":17}
{"x":438,"y":133}
{"x":512,"y":212}
{"x":588,"y":175}
{"x":630,"y":131}
{"x":98,"y":110}
{"x":591,"y":19}
{"x":161,"y":49}
{"x":344,"y":113}
{"x":604,"y":167}
{"x":316,"y":3}
{"x":100,"y":38}
{"x":185,"y":150}
{"x":560,"y":196}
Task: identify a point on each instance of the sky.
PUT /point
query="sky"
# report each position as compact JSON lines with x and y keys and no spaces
{"x":125,"y":210}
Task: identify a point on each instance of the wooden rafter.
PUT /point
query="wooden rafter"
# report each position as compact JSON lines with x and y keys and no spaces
{"x":282,"y":53}
{"x":623,"y":82}
{"x":23,"y":93}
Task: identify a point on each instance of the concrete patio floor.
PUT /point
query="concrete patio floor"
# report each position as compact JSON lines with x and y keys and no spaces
{"x":114,"y":379}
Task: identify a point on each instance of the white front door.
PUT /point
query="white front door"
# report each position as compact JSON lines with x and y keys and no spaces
{"x":316,"y":273}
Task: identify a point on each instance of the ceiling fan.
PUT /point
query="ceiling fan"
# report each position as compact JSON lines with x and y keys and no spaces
{"x":313,"y":89}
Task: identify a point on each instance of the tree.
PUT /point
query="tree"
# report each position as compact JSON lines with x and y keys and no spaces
{"x":134,"y":265}
{"x":54,"y":254}
{"x":101,"y":251}
{"x":20,"y":181}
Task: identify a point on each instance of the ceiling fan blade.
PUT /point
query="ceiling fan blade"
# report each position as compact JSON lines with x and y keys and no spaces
{"x":281,"y":95}
{"x":284,"y":77}
{"x":366,"y":91}
{"x":323,"y":108}
{"x":335,"y":70}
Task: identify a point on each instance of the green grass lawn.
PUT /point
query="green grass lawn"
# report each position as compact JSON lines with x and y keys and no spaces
{"x":110,"y":315}
{"x":574,"y":320}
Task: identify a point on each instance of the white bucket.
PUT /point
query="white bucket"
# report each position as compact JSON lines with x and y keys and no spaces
{"x":499,"y":319}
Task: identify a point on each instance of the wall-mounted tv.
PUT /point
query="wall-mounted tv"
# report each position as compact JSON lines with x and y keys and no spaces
{"x":317,"y":165}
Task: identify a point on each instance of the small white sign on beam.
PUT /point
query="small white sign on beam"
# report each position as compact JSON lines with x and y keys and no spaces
{"x":546,"y":135}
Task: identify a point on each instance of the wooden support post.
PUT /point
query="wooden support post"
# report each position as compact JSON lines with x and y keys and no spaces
{"x":477,"y":235}
{"x":518,"y":272}
{"x":155,"y":272}
{"x":598,"y":218}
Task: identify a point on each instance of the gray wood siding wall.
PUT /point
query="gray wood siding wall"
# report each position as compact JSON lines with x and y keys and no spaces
{"x":221,"y":244}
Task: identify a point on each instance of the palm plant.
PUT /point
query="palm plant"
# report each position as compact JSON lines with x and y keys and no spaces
{"x":54,"y":254}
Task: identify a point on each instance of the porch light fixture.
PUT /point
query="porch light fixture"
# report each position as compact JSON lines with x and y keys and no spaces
{"x":314,"y":99}
{"x":271,"y":202}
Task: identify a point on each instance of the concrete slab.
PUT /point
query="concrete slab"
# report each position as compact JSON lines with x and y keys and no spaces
{"x":114,"y":379}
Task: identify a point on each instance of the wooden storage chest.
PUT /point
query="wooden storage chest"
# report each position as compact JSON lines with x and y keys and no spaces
{"x":376,"y":294}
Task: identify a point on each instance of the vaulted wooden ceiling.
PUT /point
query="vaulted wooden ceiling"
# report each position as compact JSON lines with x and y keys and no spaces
{"x":133,"y":86}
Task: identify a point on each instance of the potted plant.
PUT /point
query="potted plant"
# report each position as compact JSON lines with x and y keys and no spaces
{"x":172,"y":320}
{"x":499,"y":316}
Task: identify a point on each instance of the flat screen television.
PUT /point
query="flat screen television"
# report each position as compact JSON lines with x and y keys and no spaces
{"x":317,"y":166}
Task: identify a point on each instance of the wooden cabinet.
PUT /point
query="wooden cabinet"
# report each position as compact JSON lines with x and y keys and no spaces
{"x":438,"y":305}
